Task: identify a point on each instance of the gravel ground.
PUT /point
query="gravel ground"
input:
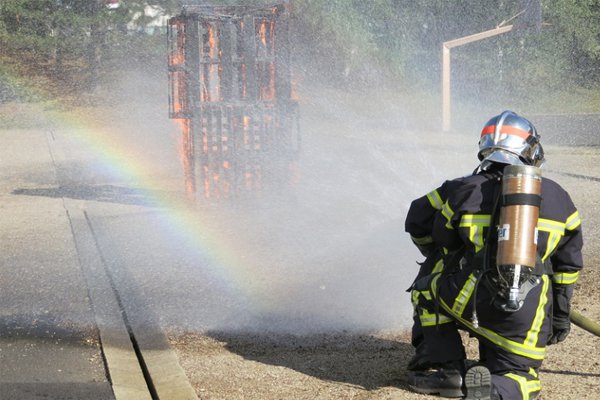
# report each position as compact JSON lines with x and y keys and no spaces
{"x":371,"y":365}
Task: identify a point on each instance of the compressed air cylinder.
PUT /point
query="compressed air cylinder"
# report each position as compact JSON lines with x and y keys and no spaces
{"x":517,"y":231}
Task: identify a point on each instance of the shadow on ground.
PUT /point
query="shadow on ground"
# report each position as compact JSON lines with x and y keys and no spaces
{"x":102,"y":193}
{"x":356,"y":359}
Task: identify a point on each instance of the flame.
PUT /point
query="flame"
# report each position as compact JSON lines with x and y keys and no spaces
{"x":177,"y":55}
{"x":246,"y":130}
{"x":252,"y":177}
{"x":178,"y":94}
{"x":295,"y":94}
{"x":206,"y":181}
{"x":262,"y":33}
{"x":211,"y":72}
{"x":186,"y":154}
{"x":212,"y":40}
{"x":204,"y":138}
{"x":266,"y":35}
{"x":244,"y":81}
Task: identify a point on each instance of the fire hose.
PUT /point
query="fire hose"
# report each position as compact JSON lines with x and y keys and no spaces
{"x":585,"y":323}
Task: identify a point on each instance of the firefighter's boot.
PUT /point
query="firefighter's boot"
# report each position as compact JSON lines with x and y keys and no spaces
{"x":478,"y":384}
{"x":446,"y":382}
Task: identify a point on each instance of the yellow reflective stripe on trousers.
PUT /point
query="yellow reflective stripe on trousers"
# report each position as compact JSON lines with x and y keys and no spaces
{"x":565,"y":278}
{"x":540,"y":314}
{"x":431,"y":319}
{"x":536,"y":353}
{"x":463,"y":297}
{"x":533,"y":372}
{"x":476,"y":224}
{"x":427,"y":318}
{"x":526,"y":387}
{"x":435,"y":199}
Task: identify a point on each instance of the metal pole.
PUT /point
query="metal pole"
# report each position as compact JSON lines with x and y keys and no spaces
{"x":446,"y":46}
{"x":445,"y":88}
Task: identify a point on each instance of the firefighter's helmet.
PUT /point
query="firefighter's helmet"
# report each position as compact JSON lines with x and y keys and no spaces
{"x":510,"y":139}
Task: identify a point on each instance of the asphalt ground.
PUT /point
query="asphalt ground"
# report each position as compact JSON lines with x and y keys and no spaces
{"x":65,"y":331}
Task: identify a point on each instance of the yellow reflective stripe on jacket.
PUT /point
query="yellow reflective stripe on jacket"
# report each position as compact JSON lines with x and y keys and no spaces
{"x":435,"y":199}
{"x":573,"y":221}
{"x":555,"y":230}
{"x":551,"y":226}
{"x":415,"y":296}
{"x":526,"y":387}
{"x":565,"y":278}
{"x":522,"y":349}
{"x":475,"y":223}
{"x":464,"y":295}
{"x":439,"y":266}
{"x":448,"y":213}
{"x":534,"y":332}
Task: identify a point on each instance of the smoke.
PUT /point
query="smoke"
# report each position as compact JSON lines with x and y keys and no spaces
{"x":327,"y":252}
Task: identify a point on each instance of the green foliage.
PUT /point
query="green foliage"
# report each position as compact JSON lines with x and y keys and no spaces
{"x":403,"y":38}
{"x":339,"y":41}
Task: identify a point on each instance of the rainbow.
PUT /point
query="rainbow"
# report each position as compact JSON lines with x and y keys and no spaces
{"x":183,"y":219}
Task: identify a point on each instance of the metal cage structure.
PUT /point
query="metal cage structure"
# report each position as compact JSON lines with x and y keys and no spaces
{"x":230,"y":88}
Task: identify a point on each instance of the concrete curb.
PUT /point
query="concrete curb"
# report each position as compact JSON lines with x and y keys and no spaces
{"x":124,"y":370}
{"x":139,"y":361}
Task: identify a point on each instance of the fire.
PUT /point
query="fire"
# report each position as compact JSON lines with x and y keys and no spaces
{"x":262,"y":33}
{"x":211,"y":87}
{"x":269,"y":89}
{"x":177,"y":55}
{"x":266,"y":36}
{"x":212,"y":40}
{"x":295,"y":95}
{"x":246,"y":131}
{"x":223,"y":92}
{"x":186,"y":153}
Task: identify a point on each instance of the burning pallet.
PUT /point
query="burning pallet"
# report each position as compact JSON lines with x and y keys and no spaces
{"x":231,"y":91}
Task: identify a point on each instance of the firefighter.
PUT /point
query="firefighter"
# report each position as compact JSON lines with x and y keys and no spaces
{"x":466,"y":290}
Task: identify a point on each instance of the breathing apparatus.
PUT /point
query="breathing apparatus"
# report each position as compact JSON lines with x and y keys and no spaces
{"x":516,"y":256}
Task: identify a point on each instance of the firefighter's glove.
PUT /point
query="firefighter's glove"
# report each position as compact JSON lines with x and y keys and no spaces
{"x":426,"y":249}
{"x":423,"y":284}
{"x":422,"y":296}
{"x":561,"y":324}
